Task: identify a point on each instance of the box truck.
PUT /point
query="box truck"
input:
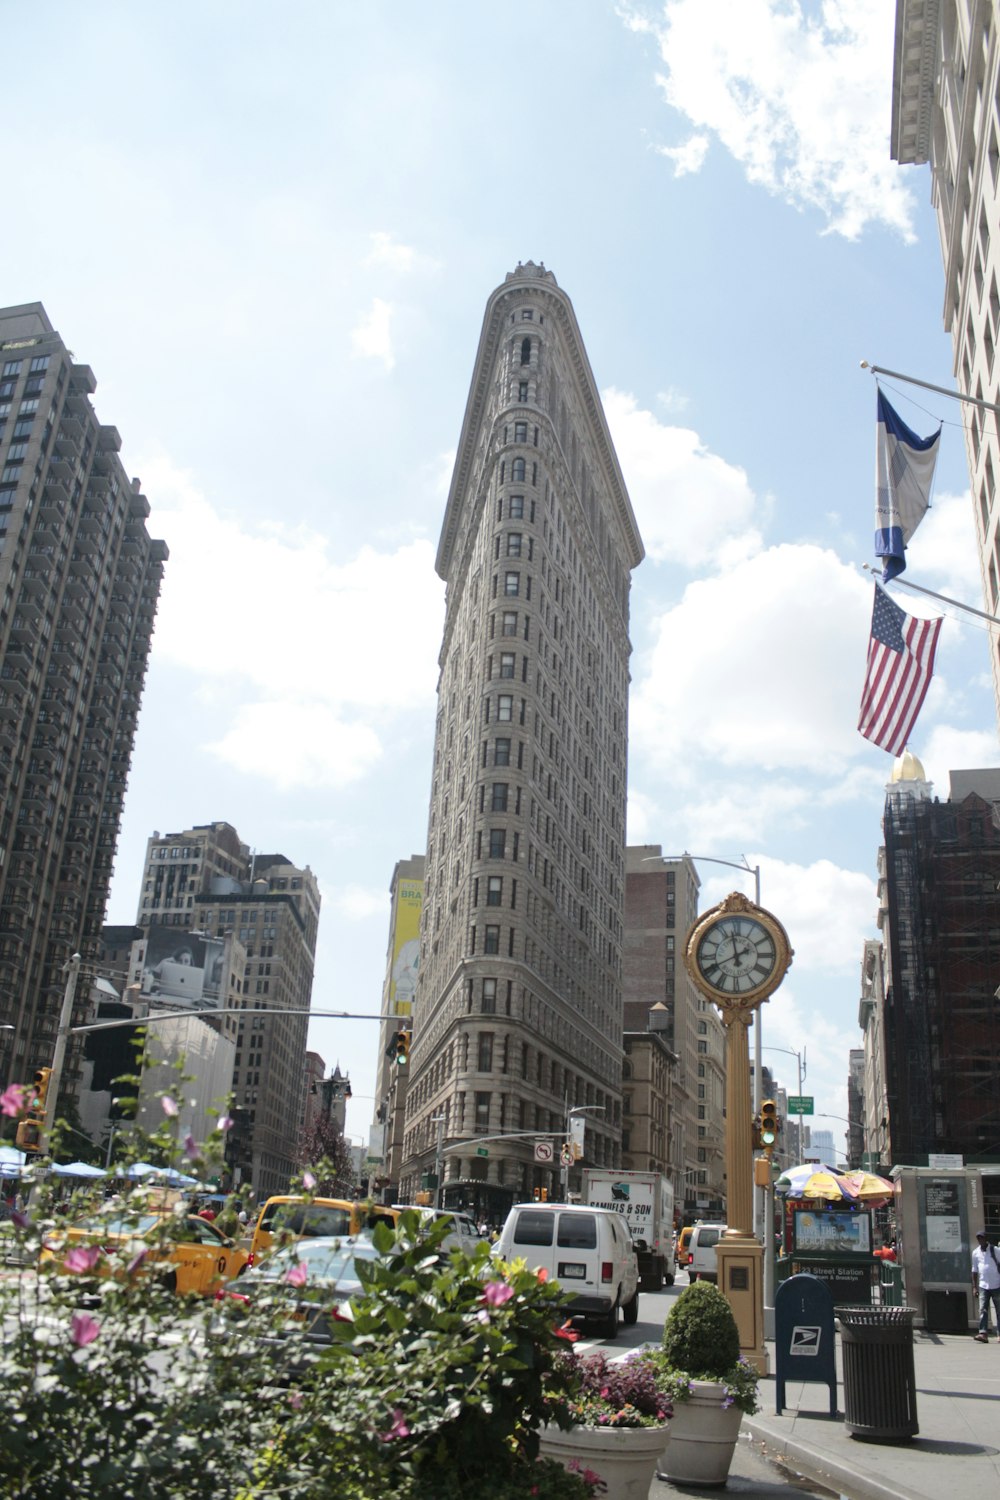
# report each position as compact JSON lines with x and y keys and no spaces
{"x":646,"y":1202}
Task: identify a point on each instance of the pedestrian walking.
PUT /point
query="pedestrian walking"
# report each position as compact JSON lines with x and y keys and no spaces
{"x":986,"y":1283}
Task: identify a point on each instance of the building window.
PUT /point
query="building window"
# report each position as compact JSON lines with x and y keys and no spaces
{"x":39,"y":363}
{"x":522,"y":391}
{"x":488,"y":1003}
{"x":521,"y":433}
{"x":492,"y":943}
{"x":514,"y":544}
{"x":516,"y":508}
{"x":485,"y":1051}
{"x":482,"y":1112}
{"x":494,"y":891}
{"x":12,"y":367}
{"x":498,"y":843}
{"x":498,"y":802}
{"x":525,"y":352}
{"x":517,"y":471}
{"x":501,"y":752}
{"x":512,"y":584}
{"x":509,"y":626}
{"x":505,"y":708}
{"x":507,"y":663}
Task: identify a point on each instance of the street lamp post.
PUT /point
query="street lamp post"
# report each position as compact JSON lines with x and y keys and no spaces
{"x":754,"y":870}
{"x":577,"y":1109}
{"x":769,"y":1267}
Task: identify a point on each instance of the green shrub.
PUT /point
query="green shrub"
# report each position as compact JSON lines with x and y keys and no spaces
{"x":700,"y":1335}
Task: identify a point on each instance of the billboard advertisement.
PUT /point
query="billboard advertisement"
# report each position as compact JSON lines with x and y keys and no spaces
{"x":405,"y":946}
{"x":832,"y":1232}
{"x":183,"y":968}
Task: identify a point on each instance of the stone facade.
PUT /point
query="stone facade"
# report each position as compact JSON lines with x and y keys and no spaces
{"x":518,"y":1012}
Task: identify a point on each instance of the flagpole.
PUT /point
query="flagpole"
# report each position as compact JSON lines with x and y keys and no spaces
{"x":992,"y":619}
{"x":941,"y":390}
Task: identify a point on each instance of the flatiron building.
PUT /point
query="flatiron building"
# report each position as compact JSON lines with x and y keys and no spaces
{"x":517,"y":1016}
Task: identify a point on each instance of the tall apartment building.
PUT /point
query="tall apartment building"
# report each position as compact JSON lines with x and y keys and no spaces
{"x":406,"y":894}
{"x":661,"y":906}
{"x":946,"y":111}
{"x":518,"y":1010}
{"x":207,"y":883}
{"x":940,"y":924}
{"x":79,"y":583}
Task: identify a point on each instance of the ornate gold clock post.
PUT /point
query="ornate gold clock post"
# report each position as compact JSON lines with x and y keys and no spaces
{"x":737,"y":954}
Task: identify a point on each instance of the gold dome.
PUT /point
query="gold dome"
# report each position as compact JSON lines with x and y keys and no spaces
{"x":907,"y":767}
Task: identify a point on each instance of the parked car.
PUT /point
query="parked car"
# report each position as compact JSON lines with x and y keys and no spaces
{"x":186,"y":1252}
{"x":701,"y":1251}
{"x":588,"y":1251}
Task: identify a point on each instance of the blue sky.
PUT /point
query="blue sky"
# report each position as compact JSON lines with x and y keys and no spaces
{"x":272,"y":231}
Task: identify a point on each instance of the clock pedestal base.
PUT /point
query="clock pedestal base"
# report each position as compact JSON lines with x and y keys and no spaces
{"x":739,"y":1259}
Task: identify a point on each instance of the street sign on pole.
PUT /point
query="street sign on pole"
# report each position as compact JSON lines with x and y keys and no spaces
{"x":482,"y":1151}
{"x":801,"y":1104}
{"x":544,"y":1151}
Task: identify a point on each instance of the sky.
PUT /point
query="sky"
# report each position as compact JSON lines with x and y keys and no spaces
{"x":272,"y":231}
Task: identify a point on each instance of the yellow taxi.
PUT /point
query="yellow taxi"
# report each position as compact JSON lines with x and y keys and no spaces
{"x":185,"y":1252}
{"x":309,"y":1218}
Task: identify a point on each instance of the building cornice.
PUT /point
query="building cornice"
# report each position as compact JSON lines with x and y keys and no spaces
{"x":914,"y":69}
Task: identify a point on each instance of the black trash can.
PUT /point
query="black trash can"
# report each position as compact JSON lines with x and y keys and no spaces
{"x":880,"y":1389}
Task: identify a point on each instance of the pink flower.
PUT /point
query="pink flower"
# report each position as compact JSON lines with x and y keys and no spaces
{"x":298,"y":1275}
{"x":13,"y":1100}
{"x":295,"y":1399}
{"x":82,"y":1258}
{"x":541,"y":1273}
{"x":169,"y":1107}
{"x":496,"y":1293}
{"x":84,"y":1329}
{"x":225,"y":1123}
{"x":191,"y":1148}
{"x":308,"y":1181}
{"x":398,"y":1429}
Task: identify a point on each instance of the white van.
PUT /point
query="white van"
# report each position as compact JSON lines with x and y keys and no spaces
{"x":588,"y":1251}
{"x":462,"y":1232}
{"x":701,"y":1251}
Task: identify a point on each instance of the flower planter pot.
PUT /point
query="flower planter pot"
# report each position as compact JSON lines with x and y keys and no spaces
{"x":702,"y":1437}
{"x":625,"y":1457}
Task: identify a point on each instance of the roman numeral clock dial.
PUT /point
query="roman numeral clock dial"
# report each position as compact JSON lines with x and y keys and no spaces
{"x":737,"y":953}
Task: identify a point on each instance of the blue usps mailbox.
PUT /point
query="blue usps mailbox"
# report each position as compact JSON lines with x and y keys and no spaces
{"x":804,"y":1335}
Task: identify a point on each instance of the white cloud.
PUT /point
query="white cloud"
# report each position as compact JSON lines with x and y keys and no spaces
{"x":687,"y":158}
{"x":758,"y":669}
{"x":799,"y":96}
{"x":372,"y":338}
{"x":826,"y":910}
{"x":307,"y":705}
{"x":949,"y":749}
{"x":386,"y":251}
{"x":298,"y":744}
{"x":692,"y":507}
{"x":945,"y":550}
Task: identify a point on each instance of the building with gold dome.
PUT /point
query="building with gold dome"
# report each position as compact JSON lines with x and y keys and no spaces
{"x":929,"y":1010}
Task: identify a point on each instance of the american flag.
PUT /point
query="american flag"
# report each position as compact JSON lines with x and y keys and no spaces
{"x":900,"y":666}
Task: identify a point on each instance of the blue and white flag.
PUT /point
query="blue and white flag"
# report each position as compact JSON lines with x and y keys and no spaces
{"x":904,"y":474}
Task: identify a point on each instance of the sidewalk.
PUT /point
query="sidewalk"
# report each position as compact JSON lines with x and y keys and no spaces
{"x":957,"y":1449}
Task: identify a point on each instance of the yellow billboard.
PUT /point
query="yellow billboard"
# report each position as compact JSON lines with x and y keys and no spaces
{"x":405,"y":946}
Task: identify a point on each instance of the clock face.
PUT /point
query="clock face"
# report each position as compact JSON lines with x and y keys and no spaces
{"x":736,"y":955}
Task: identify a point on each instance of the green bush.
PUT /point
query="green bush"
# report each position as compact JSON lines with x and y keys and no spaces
{"x":700,"y":1335}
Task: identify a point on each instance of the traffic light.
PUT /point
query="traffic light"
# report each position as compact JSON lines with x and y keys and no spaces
{"x":29,"y":1135}
{"x":39,"y":1090}
{"x":545,"y":1195}
{"x":769,"y":1124}
{"x":758,"y":1143}
{"x":401,"y":1048}
{"x":538,"y":1195}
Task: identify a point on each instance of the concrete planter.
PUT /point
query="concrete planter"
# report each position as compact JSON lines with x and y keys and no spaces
{"x":624,"y":1457}
{"x":702,"y":1437}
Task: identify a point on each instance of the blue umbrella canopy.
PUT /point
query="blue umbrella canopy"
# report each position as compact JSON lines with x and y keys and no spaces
{"x":77,"y":1169}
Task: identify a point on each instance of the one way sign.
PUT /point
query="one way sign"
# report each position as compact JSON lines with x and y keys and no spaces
{"x":805,"y":1341}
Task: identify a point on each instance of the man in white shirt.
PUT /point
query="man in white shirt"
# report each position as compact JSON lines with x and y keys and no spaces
{"x":986,"y":1283}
